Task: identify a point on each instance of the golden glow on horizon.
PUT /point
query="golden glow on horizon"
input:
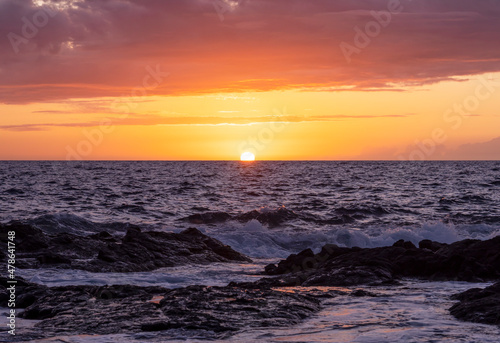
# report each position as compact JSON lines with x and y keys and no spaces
{"x":287,"y":125}
{"x":247,"y":157}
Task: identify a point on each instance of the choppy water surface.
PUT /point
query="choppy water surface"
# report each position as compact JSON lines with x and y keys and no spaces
{"x":301,"y":204}
{"x":268,"y":210}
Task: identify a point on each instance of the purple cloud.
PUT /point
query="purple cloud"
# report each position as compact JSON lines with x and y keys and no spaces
{"x":101,"y":48}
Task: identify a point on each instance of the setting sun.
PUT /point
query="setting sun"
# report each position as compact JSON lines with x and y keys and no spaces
{"x":369,"y":141}
{"x":247,"y":156}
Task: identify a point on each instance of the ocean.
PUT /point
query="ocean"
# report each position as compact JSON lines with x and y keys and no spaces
{"x":269,"y":210}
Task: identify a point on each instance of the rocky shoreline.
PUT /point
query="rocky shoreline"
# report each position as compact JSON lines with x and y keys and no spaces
{"x":223,"y":311}
{"x":467,"y":260}
{"x":102,"y":310}
{"x":135,"y":251}
{"x":478,"y":305}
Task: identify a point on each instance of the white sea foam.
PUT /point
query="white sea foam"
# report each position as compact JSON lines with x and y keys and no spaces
{"x":256,"y":240}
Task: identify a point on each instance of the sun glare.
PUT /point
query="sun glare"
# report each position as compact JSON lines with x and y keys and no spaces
{"x":247,"y":156}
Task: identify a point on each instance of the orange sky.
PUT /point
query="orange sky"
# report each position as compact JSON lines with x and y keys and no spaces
{"x":285,"y":80}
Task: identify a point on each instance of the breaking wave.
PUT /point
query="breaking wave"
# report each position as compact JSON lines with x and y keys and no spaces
{"x":256,"y":240}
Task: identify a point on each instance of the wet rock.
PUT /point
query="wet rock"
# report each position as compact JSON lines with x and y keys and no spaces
{"x":294,"y":262}
{"x":104,"y":235}
{"x":27,"y":236}
{"x":350,"y":276}
{"x":307,"y":260}
{"x":26,"y":292}
{"x":432,"y":246}
{"x":54,"y":301}
{"x":362,"y":293}
{"x":478,"y":305}
{"x":220,"y":311}
{"x":51,"y":258}
{"x":232,"y":308}
{"x":136,"y":251}
{"x":271,"y":269}
{"x":404,"y":244}
{"x":468,"y":260}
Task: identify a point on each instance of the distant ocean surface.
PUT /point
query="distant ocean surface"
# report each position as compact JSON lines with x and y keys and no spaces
{"x":269,"y":210}
{"x":263,"y":209}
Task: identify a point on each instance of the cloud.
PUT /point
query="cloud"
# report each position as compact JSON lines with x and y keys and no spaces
{"x":489,"y":150}
{"x":102,"y":47}
{"x":163,"y":120}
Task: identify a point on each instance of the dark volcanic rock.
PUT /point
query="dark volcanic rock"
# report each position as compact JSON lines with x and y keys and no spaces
{"x":478,"y":305}
{"x":26,"y":292}
{"x":208,"y":218}
{"x":220,"y":311}
{"x":301,"y":259}
{"x":404,"y":244}
{"x":432,"y":246}
{"x":56,"y":301}
{"x":362,"y":293}
{"x":136,"y":251}
{"x":349,"y":276}
{"x":30,"y":238}
{"x":231,"y":308}
{"x":468,"y":260}
{"x":51,"y":258}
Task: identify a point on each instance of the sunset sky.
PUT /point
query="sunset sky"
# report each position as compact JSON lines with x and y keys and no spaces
{"x":283,"y":79}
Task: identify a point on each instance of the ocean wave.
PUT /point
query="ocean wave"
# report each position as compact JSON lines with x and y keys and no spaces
{"x":130,"y":208}
{"x":355,"y":210}
{"x":258,"y":241}
{"x":207,"y":218}
{"x":272,"y":217}
{"x":281,"y":216}
{"x":70,"y":223}
{"x":14,"y":191}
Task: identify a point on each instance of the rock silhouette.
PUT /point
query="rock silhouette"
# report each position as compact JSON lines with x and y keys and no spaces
{"x":478,"y":305}
{"x":134,"y":252}
{"x":467,"y":260}
{"x":217,"y":311}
